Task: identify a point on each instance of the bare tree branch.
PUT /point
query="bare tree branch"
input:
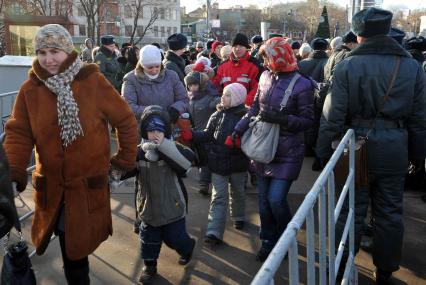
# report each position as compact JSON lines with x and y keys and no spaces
{"x":139,"y":6}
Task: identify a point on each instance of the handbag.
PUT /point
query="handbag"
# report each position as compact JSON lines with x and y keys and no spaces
{"x":17,"y":267}
{"x":341,"y":170}
{"x":260,"y":141}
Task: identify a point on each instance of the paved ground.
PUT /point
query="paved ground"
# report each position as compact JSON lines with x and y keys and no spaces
{"x":117,"y":260}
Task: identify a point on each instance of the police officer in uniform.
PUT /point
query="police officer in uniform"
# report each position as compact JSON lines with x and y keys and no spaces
{"x":106,"y":58}
{"x":358,"y":88}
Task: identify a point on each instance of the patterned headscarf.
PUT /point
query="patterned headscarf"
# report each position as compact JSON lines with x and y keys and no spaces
{"x":279,"y":55}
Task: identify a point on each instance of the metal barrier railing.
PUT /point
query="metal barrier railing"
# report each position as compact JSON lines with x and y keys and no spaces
{"x":288,"y":240}
{"x":6,"y":104}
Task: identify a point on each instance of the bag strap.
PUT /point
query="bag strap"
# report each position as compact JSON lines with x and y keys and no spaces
{"x":289,"y":90}
{"x":385,"y":98}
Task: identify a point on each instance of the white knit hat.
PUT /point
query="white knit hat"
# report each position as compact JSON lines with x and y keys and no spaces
{"x":150,"y":55}
{"x":238,"y":93}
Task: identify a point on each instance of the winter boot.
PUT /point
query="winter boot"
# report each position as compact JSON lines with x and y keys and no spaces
{"x":186,"y":258}
{"x":77,"y":276}
{"x":149,"y":271}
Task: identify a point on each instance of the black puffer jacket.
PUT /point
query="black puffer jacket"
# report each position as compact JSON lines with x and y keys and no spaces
{"x":313,"y":66}
{"x":222,"y":159}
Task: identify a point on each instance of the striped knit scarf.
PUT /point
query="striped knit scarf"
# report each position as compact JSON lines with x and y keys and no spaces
{"x":60,"y":84}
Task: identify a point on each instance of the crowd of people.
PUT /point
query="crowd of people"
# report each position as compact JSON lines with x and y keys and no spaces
{"x":190,"y":107}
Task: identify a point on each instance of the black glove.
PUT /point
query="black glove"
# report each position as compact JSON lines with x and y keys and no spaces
{"x":274,"y":116}
{"x":235,"y":135}
{"x":416,"y":165}
{"x":174,"y":114}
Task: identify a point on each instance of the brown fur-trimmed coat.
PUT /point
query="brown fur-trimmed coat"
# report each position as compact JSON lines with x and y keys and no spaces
{"x":77,"y":174}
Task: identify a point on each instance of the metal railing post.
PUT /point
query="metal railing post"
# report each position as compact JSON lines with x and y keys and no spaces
{"x":305,"y":213}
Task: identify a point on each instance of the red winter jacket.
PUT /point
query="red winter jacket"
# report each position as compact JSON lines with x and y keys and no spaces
{"x":238,"y":71}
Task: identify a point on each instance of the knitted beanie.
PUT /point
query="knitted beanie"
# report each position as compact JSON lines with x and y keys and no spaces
{"x":150,"y":55}
{"x":216,"y":44}
{"x":319,"y":44}
{"x":53,"y":36}
{"x":305,"y":49}
{"x":295,"y":45}
{"x":238,"y":93}
{"x":199,"y":45}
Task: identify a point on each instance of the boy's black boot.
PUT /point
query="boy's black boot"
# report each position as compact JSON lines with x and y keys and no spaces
{"x":149,"y":271}
{"x":186,"y":258}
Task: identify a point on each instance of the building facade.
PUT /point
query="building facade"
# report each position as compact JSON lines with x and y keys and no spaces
{"x":157,"y":20}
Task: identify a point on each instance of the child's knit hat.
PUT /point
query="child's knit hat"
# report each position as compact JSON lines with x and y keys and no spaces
{"x":196,"y":77}
{"x":238,"y":93}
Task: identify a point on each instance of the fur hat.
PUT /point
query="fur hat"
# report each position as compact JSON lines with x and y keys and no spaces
{"x":150,"y":55}
{"x":257,"y":39}
{"x":177,"y":41}
{"x":53,"y":36}
{"x":397,"y":35}
{"x":336,"y":42}
{"x":349,"y":37}
{"x":319,"y":44}
{"x":295,"y":45}
{"x":240,"y":39}
{"x":196,"y":77}
{"x":154,"y":111}
{"x":371,"y":22}
{"x":238,"y":93}
{"x":305,"y":49}
{"x":107,"y":40}
{"x":202,"y":64}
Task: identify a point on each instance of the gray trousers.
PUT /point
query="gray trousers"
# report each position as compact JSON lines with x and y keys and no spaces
{"x":226,"y":188}
{"x":386,"y":194}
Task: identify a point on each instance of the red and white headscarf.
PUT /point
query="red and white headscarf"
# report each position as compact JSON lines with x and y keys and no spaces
{"x":279,"y":55}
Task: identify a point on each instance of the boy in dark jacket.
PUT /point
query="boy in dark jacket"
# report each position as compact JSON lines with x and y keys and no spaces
{"x":226,"y":161}
{"x":203,"y":98}
{"x":161,"y":197}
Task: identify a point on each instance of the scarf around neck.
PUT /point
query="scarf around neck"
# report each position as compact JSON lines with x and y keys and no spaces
{"x":60,"y":85}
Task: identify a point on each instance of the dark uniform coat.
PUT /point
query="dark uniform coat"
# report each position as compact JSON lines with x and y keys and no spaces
{"x":358,"y":87}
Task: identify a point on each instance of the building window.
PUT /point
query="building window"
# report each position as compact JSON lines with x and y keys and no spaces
{"x":80,"y":11}
{"x":128,"y":29}
{"x":162,"y":13}
{"x":128,"y":13}
{"x":174,"y":14}
{"x":21,"y":39}
{"x":110,"y":28}
{"x":16,"y":9}
{"x":139,"y":31}
{"x":156,"y":31}
{"x":175,"y":30}
{"x":163,"y":32}
{"x":169,"y":31}
{"x":82,"y":30}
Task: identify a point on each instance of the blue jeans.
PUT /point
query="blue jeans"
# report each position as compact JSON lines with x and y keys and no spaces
{"x":205,"y":176}
{"x":174,"y":236}
{"x":274,"y":210}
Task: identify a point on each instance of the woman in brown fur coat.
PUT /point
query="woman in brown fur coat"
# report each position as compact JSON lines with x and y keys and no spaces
{"x":63,"y":109}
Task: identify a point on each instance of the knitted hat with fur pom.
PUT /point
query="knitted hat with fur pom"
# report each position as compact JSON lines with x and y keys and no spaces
{"x":238,"y":93}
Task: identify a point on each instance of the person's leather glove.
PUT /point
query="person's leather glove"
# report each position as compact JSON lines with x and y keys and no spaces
{"x":416,"y":165}
{"x":235,"y":135}
{"x":174,"y":114}
{"x":273,"y":116}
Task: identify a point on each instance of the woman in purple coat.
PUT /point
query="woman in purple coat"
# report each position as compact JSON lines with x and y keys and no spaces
{"x":275,"y":178}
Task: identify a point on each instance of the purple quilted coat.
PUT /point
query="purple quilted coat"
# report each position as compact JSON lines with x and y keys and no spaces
{"x":300,"y":109}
